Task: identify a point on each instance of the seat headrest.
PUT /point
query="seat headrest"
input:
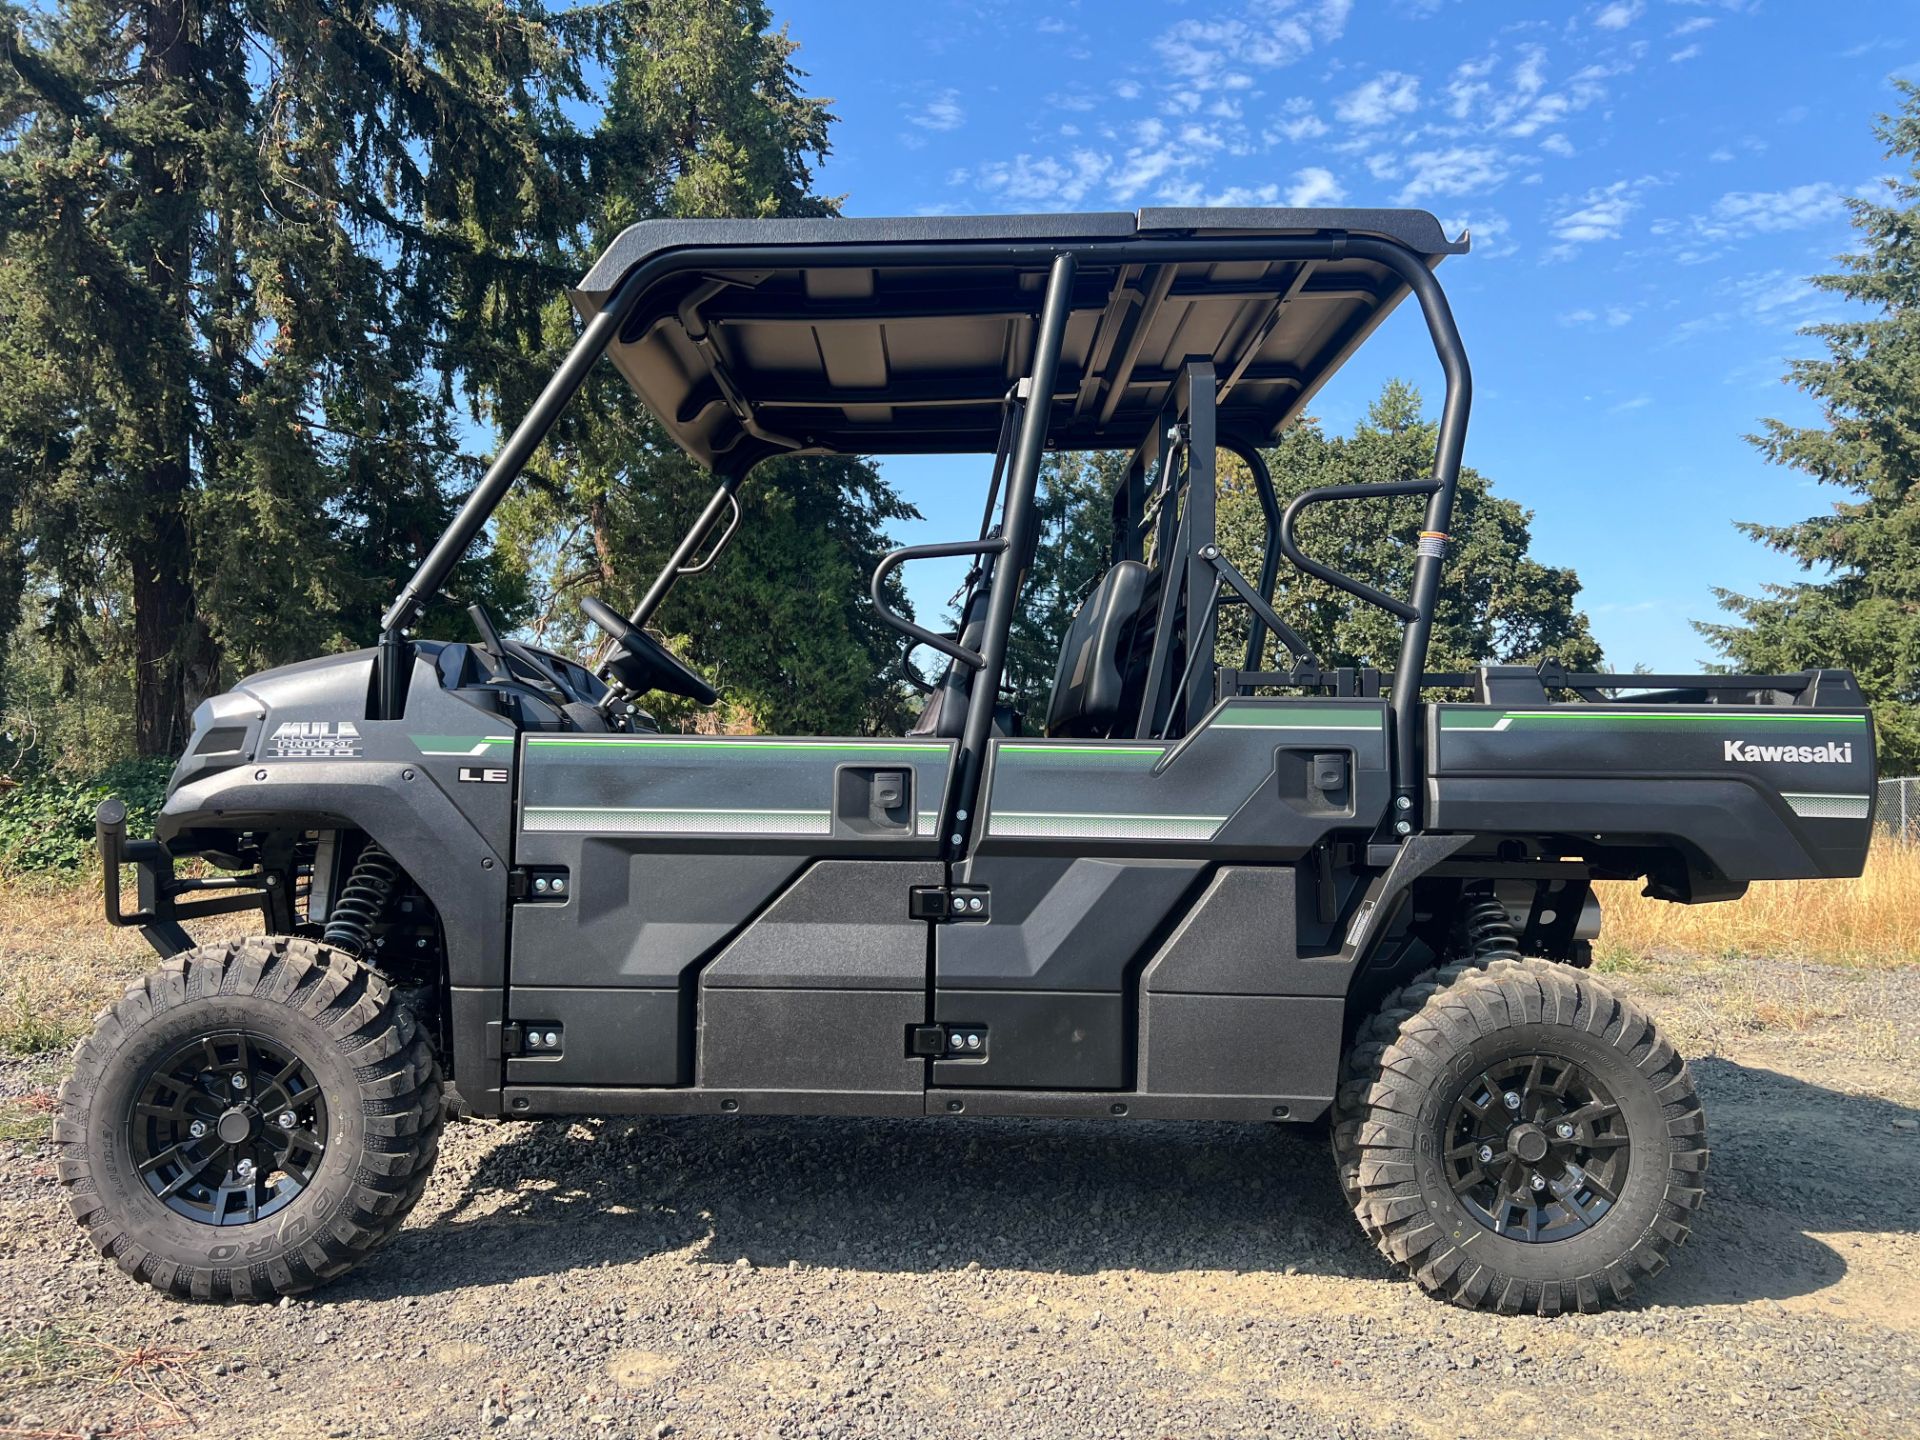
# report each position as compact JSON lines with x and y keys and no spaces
{"x":1090,"y":682}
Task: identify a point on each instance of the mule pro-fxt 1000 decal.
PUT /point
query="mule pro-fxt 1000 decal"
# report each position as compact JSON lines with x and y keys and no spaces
{"x":1821,"y":765}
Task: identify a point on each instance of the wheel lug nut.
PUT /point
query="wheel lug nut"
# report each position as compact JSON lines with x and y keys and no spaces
{"x":245,"y":1170}
{"x":1563,"y":1130}
{"x":1486,"y":1154}
{"x":1513,"y":1100}
{"x":286,"y":1120}
{"x":197,"y":1129}
{"x":239,"y":1082}
{"x":1539,"y":1182}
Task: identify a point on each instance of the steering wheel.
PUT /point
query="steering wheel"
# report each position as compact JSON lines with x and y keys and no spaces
{"x":642,"y":663}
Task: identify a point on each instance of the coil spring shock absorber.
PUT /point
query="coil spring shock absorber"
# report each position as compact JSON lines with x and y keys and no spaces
{"x":1490,"y":931}
{"x":363,"y":900}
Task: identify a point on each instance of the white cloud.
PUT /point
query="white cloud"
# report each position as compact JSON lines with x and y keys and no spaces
{"x":1300,"y":127}
{"x":1388,"y":94}
{"x":1557,"y":144}
{"x":1046,"y":180}
{"x":1614,"y":316}
{"x":1600,"y":214}
{"x":1684,"y":53}
{"x":1693,"y":26}
{"x":1492,"y":234}
{"x":1199,"y":51}
{"x":941,"y":112}
{"x":1128,"y":89}
{"x":1638,"y":402}
{"x":1245,"y":195}
{"x":1315,"y":185}
{"x":1458,"y":170}
{"x":1770,"y":211}
{"x":1619,"y":15}
{"x":1077,"y":100}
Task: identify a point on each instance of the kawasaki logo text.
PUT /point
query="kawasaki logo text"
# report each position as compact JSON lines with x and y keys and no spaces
{"x":1799,"y":754}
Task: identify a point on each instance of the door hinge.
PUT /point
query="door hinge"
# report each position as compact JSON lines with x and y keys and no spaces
{"x":949,"y":902}
{"x":546,"y":884}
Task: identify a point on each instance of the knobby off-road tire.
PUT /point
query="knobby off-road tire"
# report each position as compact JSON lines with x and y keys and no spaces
{"x":353,"y":1117}
{"x":1459,"y":1044}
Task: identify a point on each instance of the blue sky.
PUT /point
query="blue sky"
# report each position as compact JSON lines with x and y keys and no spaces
{"x":1647,"y":182}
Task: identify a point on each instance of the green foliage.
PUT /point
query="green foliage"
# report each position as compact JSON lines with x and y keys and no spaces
{"x":46,"y":822}
{"x":1497,"y":603}
{"x":706,"y":118}
{"x":1862,"y":613}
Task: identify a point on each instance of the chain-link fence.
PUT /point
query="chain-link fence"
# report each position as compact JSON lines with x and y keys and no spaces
{"x":1899,"y":809}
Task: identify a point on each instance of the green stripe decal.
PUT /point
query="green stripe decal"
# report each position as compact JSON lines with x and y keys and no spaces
{"x":1102,"y":752}
{"x":745,"y":743}
{"x":458,"y":744}
{"x":1299,"y":717}
{"x":1505,"y":720}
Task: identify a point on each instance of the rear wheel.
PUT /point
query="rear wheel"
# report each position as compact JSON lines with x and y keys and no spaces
{"x":251,"y":1120}
{"x":1519,"y":1138}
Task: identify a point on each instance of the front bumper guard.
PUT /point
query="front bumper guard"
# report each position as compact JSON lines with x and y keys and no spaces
{"x":160,"y":909}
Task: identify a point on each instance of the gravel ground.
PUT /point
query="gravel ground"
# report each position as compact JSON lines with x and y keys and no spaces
{"x":1047,"y":1279}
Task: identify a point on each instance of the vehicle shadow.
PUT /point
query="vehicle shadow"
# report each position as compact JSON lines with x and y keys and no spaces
{"x":1791,"y":1160}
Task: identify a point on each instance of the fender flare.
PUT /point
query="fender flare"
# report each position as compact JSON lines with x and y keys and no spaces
{"x":460,"y":870}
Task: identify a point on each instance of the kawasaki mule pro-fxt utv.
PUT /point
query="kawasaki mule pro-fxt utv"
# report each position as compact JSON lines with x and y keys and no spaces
{"x":1187,"y":890}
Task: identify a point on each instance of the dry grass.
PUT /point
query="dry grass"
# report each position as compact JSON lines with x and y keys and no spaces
{"x":95,"y":1387}
{"x":60,"y":962}
{"x":1871,"y":921}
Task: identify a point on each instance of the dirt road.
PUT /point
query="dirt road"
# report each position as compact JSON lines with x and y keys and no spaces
{"x":977,"y":1278}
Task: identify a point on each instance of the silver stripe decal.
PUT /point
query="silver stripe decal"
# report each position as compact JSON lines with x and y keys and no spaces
{"x":1829,"y":807}
{"x":661,"y":821}
{"x":1103,"y":827}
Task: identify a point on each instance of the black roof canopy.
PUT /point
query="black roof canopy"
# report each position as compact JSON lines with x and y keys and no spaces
{"x":895,"y":336}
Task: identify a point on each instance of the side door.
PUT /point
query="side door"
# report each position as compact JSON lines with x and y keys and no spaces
{"x":1101,"y":861}
{"x":727,"y":912}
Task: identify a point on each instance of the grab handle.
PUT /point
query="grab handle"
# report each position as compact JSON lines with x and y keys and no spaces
{"x":991,"y":545}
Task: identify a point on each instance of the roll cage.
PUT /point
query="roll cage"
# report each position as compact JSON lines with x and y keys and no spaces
{"x":1171,"y":335}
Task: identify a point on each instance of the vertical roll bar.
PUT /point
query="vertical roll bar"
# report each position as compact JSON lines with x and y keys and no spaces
{"x":1023,"y":477}
{"x":1431,"y":556}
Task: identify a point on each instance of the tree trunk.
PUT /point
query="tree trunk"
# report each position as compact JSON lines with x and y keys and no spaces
{"x":174,"y":660}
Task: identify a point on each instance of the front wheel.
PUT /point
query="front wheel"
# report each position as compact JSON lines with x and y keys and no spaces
{"x":250,"y":1121}
{"x":1519,"y":1138}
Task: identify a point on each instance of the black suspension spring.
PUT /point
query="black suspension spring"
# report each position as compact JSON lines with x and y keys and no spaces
{"x":363,"y":900}
{"x":1490,"y":930}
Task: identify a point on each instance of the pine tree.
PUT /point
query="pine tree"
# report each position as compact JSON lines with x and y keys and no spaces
{"x":1497,"y":603}
{"x":706,"y":118}
{"x":236,"y":240}
{"x":1862,"y":613}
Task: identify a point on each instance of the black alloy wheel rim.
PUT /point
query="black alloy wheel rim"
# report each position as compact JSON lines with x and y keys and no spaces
{"x":1537,"y":1149}
{"x":229,"y":1128}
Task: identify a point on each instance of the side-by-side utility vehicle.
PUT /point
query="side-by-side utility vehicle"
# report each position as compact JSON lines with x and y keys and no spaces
{"x":1201,"y":885}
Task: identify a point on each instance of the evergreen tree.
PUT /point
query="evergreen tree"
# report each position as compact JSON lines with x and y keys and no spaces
{"x":237,"y":236}
{"x":1497,"y":603}
{"x":706,"y":118}
{"x":1862,"y":613}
